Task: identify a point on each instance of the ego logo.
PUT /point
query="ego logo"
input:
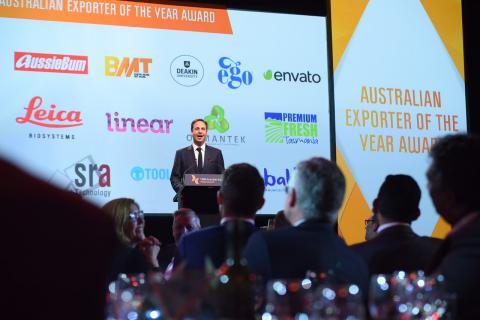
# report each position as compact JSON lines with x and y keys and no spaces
{"x":127,"y":67}
{"x":231,"y":74}
{"x":140,"y":174}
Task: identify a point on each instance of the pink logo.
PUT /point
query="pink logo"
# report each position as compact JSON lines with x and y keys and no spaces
{"x":141,"y":125}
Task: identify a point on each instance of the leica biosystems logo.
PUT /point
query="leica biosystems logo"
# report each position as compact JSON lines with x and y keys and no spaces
{"x":46,"y":62}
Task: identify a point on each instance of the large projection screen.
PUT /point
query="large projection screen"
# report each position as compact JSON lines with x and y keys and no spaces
{"x":98,"y":95}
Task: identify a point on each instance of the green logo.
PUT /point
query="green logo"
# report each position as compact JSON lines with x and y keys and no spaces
{"x":267,"y":75}
{"x":216,"y":120}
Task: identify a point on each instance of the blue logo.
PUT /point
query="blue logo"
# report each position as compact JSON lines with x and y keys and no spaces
{"x":276,"y":182}
{"x":231,"y":74}
{"x":139,"y":174}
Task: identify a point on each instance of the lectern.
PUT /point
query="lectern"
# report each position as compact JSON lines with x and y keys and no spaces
{"x":200,"y":192}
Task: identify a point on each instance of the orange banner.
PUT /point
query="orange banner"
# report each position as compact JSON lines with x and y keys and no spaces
{"x":121,"y":13}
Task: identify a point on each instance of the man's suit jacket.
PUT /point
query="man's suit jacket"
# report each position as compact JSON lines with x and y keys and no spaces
{"x":185,"y":163}
{"x":397,"y":248}
{"x":211,"y":242}
{"x":313,"y":245}
{"x":458,"y":259}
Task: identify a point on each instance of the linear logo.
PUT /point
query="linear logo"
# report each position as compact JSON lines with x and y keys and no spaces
{"x":127,"y":67}
{"x":46,"y":62}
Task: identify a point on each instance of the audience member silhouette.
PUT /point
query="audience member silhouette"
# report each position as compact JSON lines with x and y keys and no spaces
{"x":454,"y":186}
{"x":396,"y":246}
{"x":313,"y":199}
{"x":135,"y":253}
{"x":56,"y":251}
{"x":185,"y":220}
{"x":239,"y":198}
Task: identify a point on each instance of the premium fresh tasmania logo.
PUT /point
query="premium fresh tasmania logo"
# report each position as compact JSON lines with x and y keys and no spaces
{"x":291,"y":128}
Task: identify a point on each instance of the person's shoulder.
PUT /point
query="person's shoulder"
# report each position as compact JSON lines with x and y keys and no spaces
{"x":203,"y":233}
{"x":185,"y":149}
{"x":210,"y":148}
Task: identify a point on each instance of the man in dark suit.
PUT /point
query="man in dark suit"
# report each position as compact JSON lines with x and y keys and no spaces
{"x":454,"y":186}
{"x":196,"y":158}
{"x":56,"y":251}
{"x":396,"y":246}
{"x":239,"y":198}
{"x":314,"y":196}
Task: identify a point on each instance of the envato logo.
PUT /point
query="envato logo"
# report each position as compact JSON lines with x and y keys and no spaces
{"x":140,"y":174}
{"x":138,"y":67}
{"x":291,"y":128}
{"x":45,"y":62}
{"x":231,"y":74}
{"x":186,"y":70}
{"x":51,"y":118}
{"x":141,"y":125}
{"x":287,"y":76}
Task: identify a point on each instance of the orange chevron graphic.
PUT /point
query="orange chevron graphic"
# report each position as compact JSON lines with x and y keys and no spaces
{"x":446,"y":17}
{"x":345,"y":17}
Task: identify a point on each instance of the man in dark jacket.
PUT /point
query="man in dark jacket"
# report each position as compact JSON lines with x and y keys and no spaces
{"x":396,"y":246}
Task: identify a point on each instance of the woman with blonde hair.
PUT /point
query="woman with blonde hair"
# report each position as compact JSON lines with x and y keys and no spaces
{"x":136,"y":253}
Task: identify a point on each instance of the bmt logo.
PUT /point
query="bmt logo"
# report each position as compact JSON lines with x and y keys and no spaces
{"x":232,"y":75}
{"x":136,"y":66}
{"x":139,"y":174}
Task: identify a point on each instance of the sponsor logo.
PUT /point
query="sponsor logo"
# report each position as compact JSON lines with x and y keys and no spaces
{"x":286,"y":76}
{"x":276,"y":182}
{"x":141,"y":125}
{"x":45,"y":62}
{"x":231,"y":74}
{"x":51,"y":118}
{"x":291,"y":128}
{"x":138,"y":67}
{"x":140,"y":174}
{"x":217,"y":121}
{"x":85,"y":177}
{"x":186,"y":70}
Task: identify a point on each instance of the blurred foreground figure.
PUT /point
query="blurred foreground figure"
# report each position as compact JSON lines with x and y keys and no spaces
{"x":56,"y":251}
{"x":454,"y":185}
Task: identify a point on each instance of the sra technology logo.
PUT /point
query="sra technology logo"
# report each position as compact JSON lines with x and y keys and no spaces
{"x":291,"y":128}
{"x":186,"y":70}
{"x":288,"y":76}
{"x":85,"y":177}
{"x":149,"y":174}
{"x":47,"y":62}
{"x":127,"y":67}
{"x":232,"y":74}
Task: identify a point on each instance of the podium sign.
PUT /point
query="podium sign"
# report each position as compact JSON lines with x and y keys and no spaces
{"x":200,"y":192}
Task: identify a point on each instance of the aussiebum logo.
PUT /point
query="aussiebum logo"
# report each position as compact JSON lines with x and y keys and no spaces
{"x":51,"y":118}
{"x":44,"y":62}
{"x":141,"y":125}
{"x":127,"y":68}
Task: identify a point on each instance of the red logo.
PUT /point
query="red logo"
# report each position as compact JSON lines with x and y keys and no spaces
{"x":49,"y":118}
{"x":45,"y":62}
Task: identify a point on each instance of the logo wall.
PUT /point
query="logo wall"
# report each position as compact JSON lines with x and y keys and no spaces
{"x":46,"y":62}
{"x":186,"y":70}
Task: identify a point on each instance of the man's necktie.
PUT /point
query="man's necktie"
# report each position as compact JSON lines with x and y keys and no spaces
{"x":200,"y":160}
